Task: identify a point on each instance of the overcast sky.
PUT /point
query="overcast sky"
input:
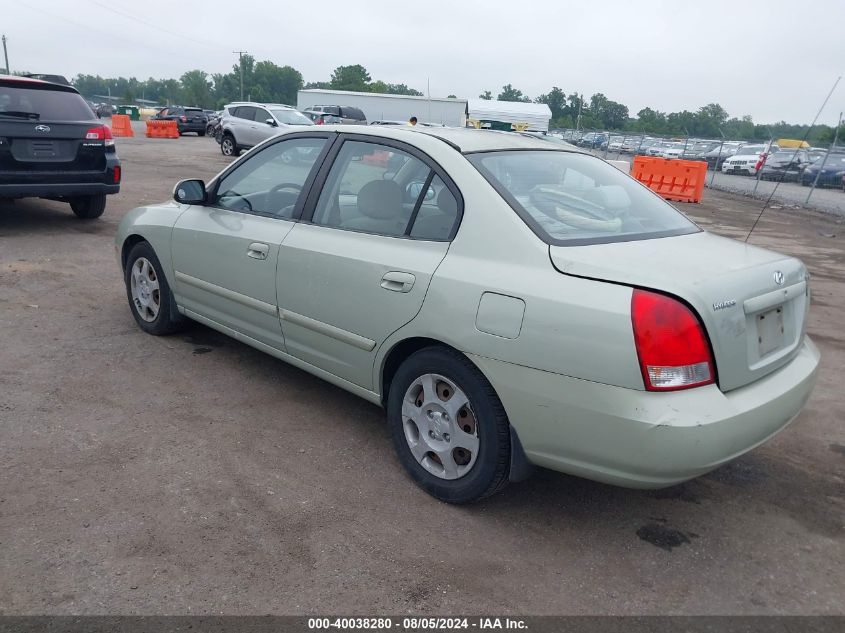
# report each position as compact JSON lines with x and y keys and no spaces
{"x":772,"y":59}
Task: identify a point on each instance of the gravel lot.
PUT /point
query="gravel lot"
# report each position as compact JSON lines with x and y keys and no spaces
{"x":193,"y":474}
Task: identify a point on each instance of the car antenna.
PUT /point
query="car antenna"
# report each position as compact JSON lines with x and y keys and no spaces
{"x":806,"y":135}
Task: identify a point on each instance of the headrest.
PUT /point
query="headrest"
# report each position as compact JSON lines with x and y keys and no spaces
{"x":446,"y":202}
{"x":380,"y":199}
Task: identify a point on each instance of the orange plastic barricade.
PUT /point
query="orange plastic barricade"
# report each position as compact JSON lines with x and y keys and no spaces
{"x":162,"y":129}
{"x":121,"y":125}
{"x":680,"y":180}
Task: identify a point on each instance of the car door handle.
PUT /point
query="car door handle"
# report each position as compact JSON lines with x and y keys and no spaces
{"x":257,"y":250}
{"x":398,"y":282}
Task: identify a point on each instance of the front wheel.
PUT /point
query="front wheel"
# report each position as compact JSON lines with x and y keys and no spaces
{"x":89,"y":207}
{"x":149,"y":293}
{"x":449,"y":427}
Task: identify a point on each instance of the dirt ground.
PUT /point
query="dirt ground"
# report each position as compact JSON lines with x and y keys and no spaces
{"x":193,"y":474}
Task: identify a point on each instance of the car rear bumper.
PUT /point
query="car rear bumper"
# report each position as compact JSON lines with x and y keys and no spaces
{"x":191,"y":127}
{"x":56,"y":190}
{"x":642,"y":439}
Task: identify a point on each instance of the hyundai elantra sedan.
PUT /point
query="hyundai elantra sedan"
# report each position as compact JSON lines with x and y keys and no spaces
{"x":511,"y":303}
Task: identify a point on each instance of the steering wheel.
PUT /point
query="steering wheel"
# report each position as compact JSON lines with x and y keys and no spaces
{"x":285,"y":185}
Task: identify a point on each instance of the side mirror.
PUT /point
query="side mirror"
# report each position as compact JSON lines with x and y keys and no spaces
{"x":271,"y":122}
{"x":414,"y":188}
{"x":189,"y":192}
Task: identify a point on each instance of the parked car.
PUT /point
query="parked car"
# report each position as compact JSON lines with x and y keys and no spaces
{"x":53,"y":146}
{"x":323,"y":118}
{"x":55,"y":79}
{"x":592,"y":140}
{"x":509,"y":301}
{"x":832,"y":168}
{"x":347,"y":114}
{"x":785,"y":165}
{"x":105,"y":110}
{"x":247,"y":124}
{"x":187,"y":119}
{"x":745,"y":161}
{"x":718,"y":155}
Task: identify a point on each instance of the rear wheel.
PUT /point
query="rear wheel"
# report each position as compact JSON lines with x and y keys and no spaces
{"x":449,"y":427}
{"x":228,"y":146}
{"x":149,"y":293}
{"x":89,"y":207}
{"x":201,"y":133}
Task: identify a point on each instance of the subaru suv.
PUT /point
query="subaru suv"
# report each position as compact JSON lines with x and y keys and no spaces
{"x":245,"y":125}
{"x":53,"y":146}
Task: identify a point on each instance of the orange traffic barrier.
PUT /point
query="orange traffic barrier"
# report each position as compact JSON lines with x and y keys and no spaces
{"x":680,"y":180}
{"x":162,"y":129}
{"x":121,"y":125}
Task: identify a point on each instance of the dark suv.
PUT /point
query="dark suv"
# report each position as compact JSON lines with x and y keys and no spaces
{"x":53,"y":146}
{"x":187,"y":119}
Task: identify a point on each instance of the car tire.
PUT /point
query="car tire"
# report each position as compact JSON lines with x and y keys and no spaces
{"x":148,"y":292}
{"x":458,"y":457}
{"x":88,"y":207}
{"x":228,"y":146}
{"x":201,"y":133}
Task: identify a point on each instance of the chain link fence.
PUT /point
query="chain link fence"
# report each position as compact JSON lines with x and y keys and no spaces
{"x":798,"y":173}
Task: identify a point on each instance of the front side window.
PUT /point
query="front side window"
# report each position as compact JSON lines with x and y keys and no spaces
{"x":270,"y":182}
{"x":569,"y":198}
{"x":379,"y":189}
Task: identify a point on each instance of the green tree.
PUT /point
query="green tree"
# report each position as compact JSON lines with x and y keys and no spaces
{"x":354,"y":78}
{"x":451,"y":97}
{"x":556,"y":101}
{"x":196,"y":88}
{"x":486,"y":95}
{"x":509,"y":93}
{"x":275,"y":84}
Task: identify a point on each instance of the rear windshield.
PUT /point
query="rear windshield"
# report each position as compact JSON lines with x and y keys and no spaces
{"x":193,"y":111}
{"x":570,"y":199}
{"x":43,"y":104}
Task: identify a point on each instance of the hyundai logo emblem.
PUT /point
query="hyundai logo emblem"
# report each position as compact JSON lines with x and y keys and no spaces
{"x":778,"y":278}
{"x":42,"y":128}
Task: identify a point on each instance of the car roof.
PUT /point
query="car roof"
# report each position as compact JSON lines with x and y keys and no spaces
{"x":474,"y":140}
{"x":35,"y":83}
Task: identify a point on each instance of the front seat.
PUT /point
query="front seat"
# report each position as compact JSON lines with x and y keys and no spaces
{"x":380,"y":208}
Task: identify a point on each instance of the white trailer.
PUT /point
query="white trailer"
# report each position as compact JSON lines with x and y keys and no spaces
{"x":384,"y":107}
{"x":535,"y":115}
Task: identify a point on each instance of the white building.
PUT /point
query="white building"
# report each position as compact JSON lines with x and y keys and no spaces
{"x":385,"y":107}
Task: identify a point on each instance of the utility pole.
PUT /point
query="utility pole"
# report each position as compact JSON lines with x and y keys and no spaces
{"x":241,"y":65}
{"x":6,"y":55}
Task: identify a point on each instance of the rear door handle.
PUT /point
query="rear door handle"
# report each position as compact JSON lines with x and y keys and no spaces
{"x":257,"y":250}
{"x":397,"y":281}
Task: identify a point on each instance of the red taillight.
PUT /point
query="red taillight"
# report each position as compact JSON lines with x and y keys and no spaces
{"x":117,"y":175}
{"x":100,"y":133}
{"x":671,"y":343}
{"x":319,"y":121}
{"x":183,"y":118}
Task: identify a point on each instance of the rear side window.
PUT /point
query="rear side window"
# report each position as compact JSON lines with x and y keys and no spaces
{"x":246,"y":112}
{"x":378,"y":189}
{"x":570,"y":199}
{"x":353,"y":113}
{"x":42,"y":104}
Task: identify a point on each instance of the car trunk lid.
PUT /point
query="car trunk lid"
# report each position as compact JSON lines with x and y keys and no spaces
{"x":39,"y":146}
{"x":752,"y":302}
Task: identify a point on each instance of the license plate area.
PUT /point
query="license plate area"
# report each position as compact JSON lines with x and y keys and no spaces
{"x":770,"y":331}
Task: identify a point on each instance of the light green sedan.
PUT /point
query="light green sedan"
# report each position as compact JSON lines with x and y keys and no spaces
{"x":510,"y":302}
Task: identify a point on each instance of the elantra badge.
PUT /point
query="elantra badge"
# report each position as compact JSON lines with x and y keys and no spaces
{"x":42,"y":128}
{"x":779,"y":278}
